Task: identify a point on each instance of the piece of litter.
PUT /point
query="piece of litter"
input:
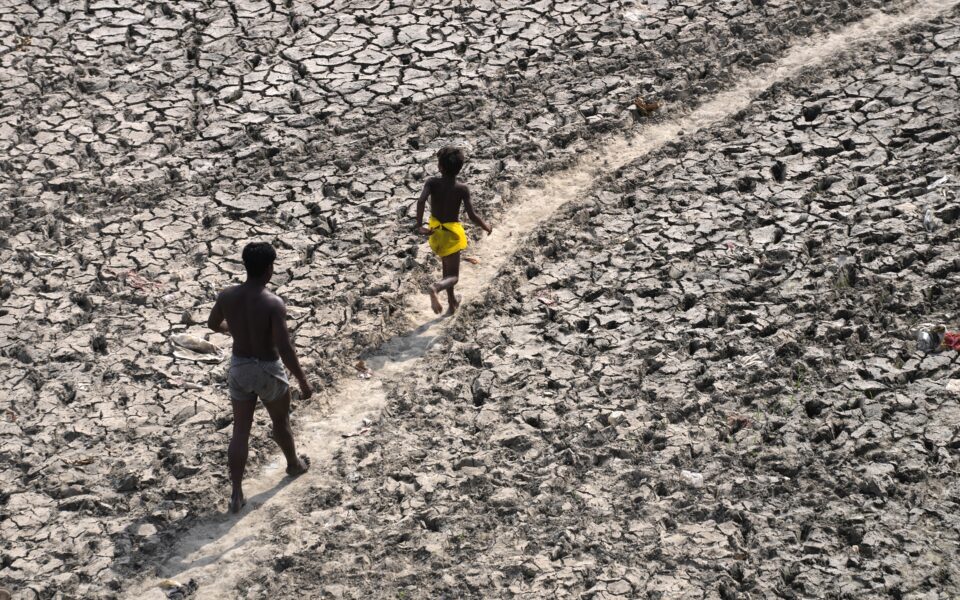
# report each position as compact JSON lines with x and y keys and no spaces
{"x":360,"y":431}
{"x":645,"y":108}
{"x":938,"y":182}
{"x":929,"y":337}
{"x":168,"y":584}
{"x":194,"y":344}
{"x":189,"y":347}
{"x":951,"y":340}
{"x":363,"y":371}
{"x":138,"y":281}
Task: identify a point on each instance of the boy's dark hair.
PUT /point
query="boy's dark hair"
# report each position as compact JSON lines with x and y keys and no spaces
{"x":257,"y":258}
{"x":451,"y":160}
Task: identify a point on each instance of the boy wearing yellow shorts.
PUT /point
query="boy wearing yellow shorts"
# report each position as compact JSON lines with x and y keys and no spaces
{"x":447,"y":237}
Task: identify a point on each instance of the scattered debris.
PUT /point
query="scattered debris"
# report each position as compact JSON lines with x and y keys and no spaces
{"x":176,"y":590}
{"x":645,"y":108}
{"x":360,"y":431}
{"x":738,"y":422}
{"x":194,"y":343}
{"x":189,"y":347}
{"x":546,"y":297}
{"x":951,"y":341}
{"x":363,"y":370}
{"x":138,"y":281}
{"x":929,"y":337}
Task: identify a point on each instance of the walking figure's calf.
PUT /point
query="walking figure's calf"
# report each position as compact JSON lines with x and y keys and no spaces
{"x":256,"y":319}
{"x":447,"y":237}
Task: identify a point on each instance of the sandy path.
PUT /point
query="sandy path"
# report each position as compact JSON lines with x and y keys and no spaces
{"x":221,"y":550}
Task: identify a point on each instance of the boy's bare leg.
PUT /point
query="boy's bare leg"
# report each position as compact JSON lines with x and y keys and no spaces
{"x":435,"y":300}
{"x":279,"y":411}
{"x":238,"y":449}
{"x":452,"y":301}
{"x":451,"y":275}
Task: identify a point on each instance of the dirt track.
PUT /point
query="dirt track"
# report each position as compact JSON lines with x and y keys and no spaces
{"x":697,"y":315}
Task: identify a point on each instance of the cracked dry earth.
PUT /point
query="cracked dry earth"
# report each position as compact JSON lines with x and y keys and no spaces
{"x":697,"y":381}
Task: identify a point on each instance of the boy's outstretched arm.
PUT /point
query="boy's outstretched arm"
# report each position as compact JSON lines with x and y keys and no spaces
{"x":421,"y":204}
{"x":468,"y":206}
{"x":281,"y":339}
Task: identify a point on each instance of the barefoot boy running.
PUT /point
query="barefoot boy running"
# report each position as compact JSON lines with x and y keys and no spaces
{"x":447,"y":237}
{"x":257,"y":321}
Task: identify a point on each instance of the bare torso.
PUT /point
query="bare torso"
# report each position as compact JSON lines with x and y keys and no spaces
{"x":446,"y":196}
{"x":250,"y":311}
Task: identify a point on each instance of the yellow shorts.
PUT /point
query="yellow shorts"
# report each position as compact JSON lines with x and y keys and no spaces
{"x":447,"y":238}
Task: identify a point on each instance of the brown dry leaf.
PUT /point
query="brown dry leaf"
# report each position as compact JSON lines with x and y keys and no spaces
{"x":363,"y":370}
{"x":738,"y":422}
{"x":645,"y":108}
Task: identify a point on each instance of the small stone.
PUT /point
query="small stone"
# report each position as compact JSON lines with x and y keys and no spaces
{"x":692,"y":478}
{"x":146,"y":530}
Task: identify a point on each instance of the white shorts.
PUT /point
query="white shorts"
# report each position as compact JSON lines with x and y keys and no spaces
{"x":252,"y":378}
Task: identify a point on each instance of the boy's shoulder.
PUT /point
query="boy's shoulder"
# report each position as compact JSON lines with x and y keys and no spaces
{"x":228,"y":291}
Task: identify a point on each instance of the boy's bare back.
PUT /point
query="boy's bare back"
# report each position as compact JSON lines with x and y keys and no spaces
{"x":446,"y":197}
{"x":251,"y":313}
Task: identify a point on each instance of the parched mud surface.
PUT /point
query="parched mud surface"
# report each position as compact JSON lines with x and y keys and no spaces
{"x":698,"y":383}
{"x":142,"y":145}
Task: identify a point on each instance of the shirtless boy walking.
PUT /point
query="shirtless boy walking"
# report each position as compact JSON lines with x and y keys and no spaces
{"x":447,"y":236}
{"x":256,"y":319}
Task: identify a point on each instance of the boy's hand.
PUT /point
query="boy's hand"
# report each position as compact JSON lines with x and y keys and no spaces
{"x":305,"y":390}
{"x":424,"y":230}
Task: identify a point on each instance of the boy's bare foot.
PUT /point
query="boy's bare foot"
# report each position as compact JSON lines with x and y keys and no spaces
{"x":453,"y":306}
{"x":237,"y":501}
{"x":435,"y":301}
{"x":302,"y":466}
